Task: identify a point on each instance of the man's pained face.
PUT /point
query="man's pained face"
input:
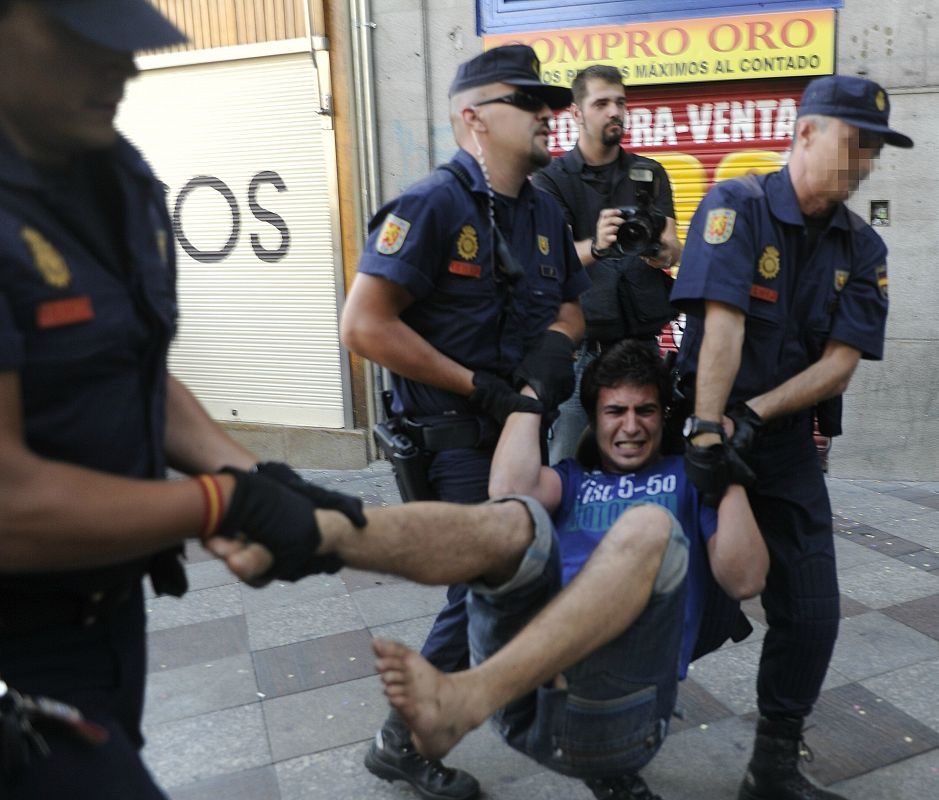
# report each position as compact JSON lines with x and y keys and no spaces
{"x":602,"y":113}
{"x":841,"y":156}
{"x":59,"y":92}
{"x":628,"y":427}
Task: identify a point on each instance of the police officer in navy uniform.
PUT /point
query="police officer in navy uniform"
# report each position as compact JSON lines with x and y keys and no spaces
{"x":90,"y":418}
{"x":785,"y":290}
{"x":468,"y":288}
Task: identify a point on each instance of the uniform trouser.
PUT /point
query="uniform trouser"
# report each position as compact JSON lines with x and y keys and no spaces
{"x":101,"y":670}
{"x":612,"y":716}
{"x":801,"y":599}
{"x":457,"y":476}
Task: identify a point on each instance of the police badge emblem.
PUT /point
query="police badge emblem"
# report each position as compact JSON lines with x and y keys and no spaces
{"x":392,"y":235}
{"x":467,"y":246}
{"x":544,"y":246}
{"x":719,"y":225}
{"x":49,"y":261}
{"x":769,"y":263}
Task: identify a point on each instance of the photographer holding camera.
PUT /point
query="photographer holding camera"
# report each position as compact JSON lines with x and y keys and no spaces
{"x":619,"y":207}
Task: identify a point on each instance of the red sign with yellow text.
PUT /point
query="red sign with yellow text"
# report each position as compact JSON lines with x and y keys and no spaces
{"x":779,"y":45}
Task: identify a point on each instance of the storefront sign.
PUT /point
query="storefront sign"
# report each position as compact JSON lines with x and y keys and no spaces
{"x":780,"y":45}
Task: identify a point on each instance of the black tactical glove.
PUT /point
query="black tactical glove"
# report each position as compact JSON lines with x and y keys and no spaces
{"x":712,"y":469}
{"x":747,"y":426}
{"x":280,"y":519}
{"x":494,"y":396}
{"x":322,"y":498}
{"x":548,"y":367}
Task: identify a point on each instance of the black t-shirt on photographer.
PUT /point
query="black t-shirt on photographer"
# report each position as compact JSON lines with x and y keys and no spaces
{"x":628,"y":298}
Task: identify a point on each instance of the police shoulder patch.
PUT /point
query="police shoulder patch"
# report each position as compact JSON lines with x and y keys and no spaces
{"x":719,"y":225}
{"x":544,"y":246}
{"x":393,"y":232}
{"x":882,"y":282}
{"x":48,"y":261}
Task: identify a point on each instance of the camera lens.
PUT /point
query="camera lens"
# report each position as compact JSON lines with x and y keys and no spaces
{"x":635,"y":235}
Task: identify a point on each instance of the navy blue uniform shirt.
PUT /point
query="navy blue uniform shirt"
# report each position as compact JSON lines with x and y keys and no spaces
{"x":746,"y":247}
{"x":87,"y":312}
{"x":434,"y":240}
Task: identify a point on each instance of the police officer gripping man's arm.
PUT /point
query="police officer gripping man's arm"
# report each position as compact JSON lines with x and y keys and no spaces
{"x":468,"y":289}
{"x":90,"y":418}
{"x":434,"y":300}
{"x":785,"y":290}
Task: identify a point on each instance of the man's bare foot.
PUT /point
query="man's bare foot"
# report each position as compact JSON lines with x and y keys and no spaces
{"x":437,"y":707}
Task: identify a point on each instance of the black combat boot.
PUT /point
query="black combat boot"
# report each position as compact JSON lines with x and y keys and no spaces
{"x":773,"y":772}
{"x":392,"y":757}
{"x":623,"y":787}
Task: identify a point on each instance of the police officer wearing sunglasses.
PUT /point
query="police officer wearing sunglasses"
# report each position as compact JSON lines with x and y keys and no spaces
{"x":468,"y":288}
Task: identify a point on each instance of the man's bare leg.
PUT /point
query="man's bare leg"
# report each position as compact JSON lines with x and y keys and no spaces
{"x":605,"y":598}
{"x":431,"y":543}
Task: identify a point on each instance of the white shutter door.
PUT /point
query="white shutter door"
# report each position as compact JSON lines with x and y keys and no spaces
{"x":241,"y":148}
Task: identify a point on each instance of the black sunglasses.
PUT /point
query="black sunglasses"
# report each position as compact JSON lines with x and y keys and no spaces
{"x":518,"y":99}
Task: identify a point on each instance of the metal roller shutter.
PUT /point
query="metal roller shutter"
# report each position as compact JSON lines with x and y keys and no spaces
{"x":241,"y":147}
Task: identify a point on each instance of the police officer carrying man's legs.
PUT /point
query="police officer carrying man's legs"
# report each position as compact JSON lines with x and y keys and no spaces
{"x":90,"y":418}
{"x":785,"y":290}
{"x":468,"y":289}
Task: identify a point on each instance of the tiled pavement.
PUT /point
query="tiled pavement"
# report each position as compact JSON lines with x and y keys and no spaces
{"x":272,"y":695}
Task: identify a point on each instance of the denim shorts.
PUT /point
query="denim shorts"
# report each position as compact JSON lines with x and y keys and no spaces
{"x":613,"y":715}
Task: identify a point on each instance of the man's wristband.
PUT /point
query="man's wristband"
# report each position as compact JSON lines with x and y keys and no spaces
{"x":595,"y":252}
{"x":695,"y":426}
{"x":214,"y":506}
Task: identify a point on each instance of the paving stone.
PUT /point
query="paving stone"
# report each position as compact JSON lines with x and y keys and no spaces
{"x":851,"y":733}
{"x":198,"y":643}
{"x":323,"y":718}
{"x":729,"y":675}
{"x":199,"y":606}
{"x":921,"y":527}
{"x":896,"y":547}
{"x":872,"y":644}
{"x":887,"y":583}
{"x":914,"y":494}
{"x":273,"y":627}
{"x":412,"y":632}
{"x":914,"y":690}
{"x":314,"y":663}
{"x":926,"y":560}
{"x":851,"y":553}
{"x":195,"y":552}
{"x":280,"y":593}
{"x":921,"y":615}
{"x":356,"y":579}
{"x":697,"y":707}
{"x":252,"y":784}
{"x":399,"y":601}
{"x":870,"y":507}
{"x":201,"y":688}
{"x":914,"y":778}
{"x":702,"y":763}
{"x":207,"y":746}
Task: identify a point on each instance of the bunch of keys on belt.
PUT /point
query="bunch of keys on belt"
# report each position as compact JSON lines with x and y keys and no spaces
{"x":24,"y":720}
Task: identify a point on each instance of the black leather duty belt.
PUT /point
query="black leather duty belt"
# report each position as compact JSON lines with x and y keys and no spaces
{"x":24,"y":613}
{"x":442,"y":432}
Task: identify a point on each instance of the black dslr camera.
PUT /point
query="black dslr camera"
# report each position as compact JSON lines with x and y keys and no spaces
{"x":642,"y":225}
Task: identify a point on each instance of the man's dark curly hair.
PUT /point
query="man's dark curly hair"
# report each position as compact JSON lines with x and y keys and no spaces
{"x":627,"y":362}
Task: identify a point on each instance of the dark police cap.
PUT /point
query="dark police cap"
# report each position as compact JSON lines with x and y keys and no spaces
{"x":125,"y":25}
{"x":857,"y":101}
{"x":514,"y":64}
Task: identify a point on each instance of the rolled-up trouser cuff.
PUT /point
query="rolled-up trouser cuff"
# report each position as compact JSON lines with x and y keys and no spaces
{"x":536,"y":556}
